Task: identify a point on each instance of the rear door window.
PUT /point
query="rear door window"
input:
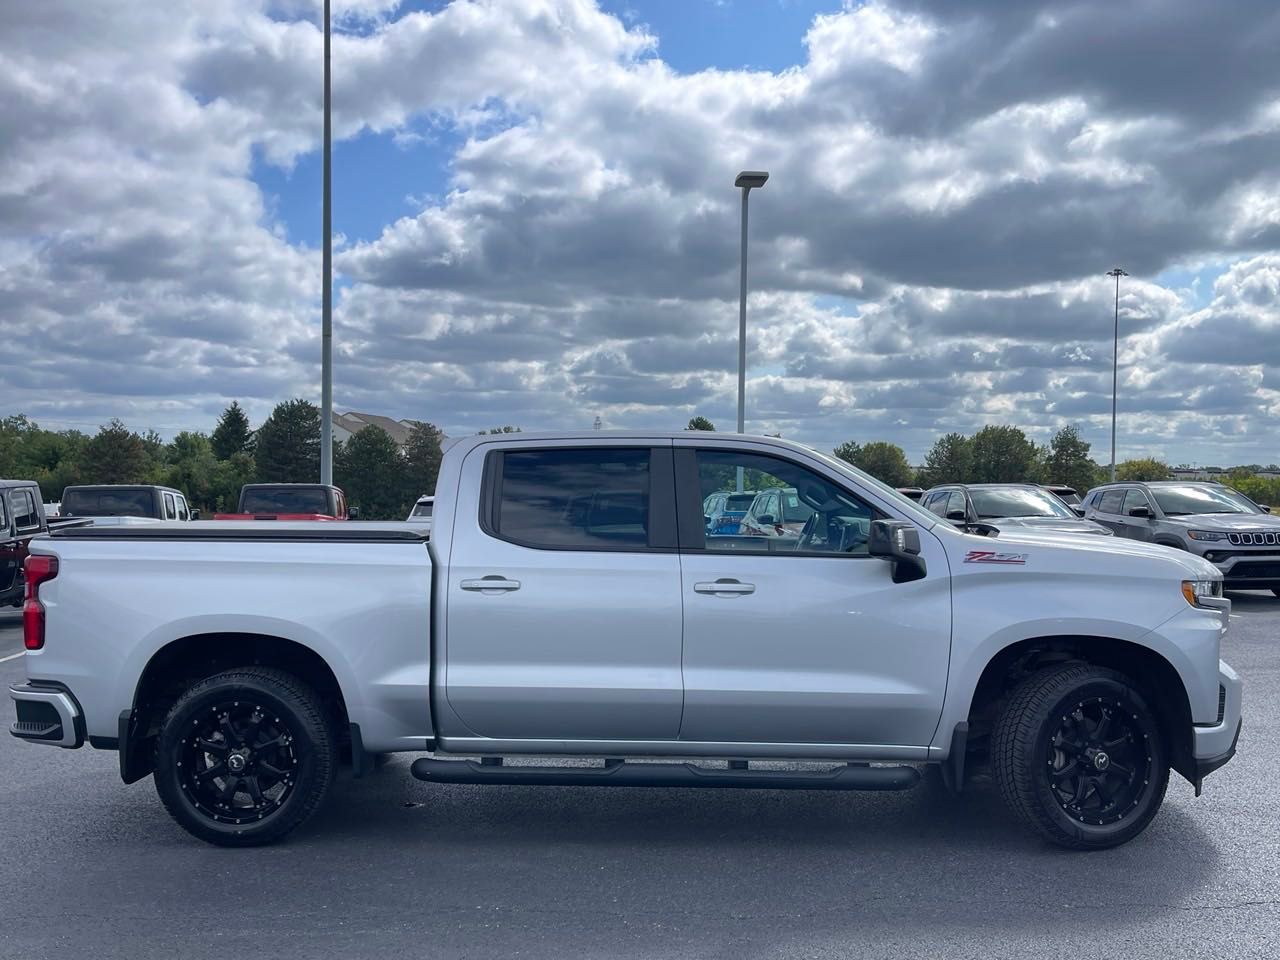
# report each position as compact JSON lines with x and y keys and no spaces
{"x":170,"y":508}
{"x":582,"y":499}
{"x":1111,"y":502}
{"x":26,"y":515}
{"x":183,"y":513}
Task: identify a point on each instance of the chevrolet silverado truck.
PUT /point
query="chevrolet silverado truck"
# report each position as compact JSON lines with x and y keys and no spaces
{"x":569,"y":602}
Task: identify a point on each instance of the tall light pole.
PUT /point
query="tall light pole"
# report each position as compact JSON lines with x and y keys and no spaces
{"x":1115,"y":367}
{"x":746,"y":180}
{"x":326,"y":301}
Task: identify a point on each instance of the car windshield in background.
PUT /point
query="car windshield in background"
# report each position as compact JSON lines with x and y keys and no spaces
{"x":992,"y":504}
{"x":740,"y":502}
{"x":108,"y":503}
{"x":423,"y":510}
{"x":286,"y":501}
{"x":1185,"y":501}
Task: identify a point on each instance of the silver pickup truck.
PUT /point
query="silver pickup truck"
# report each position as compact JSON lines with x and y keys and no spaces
{"x":569,"y":602}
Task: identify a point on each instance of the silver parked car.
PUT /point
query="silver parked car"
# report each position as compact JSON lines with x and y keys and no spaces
{"x":1025,"y":507}
{"x":1224,"y":526}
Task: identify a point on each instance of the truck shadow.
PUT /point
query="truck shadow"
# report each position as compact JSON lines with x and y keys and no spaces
{"x":1260,"y":601}
{"x":850,"y":858}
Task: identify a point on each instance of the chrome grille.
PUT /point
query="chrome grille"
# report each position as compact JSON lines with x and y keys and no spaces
{"x":1268,"y":538}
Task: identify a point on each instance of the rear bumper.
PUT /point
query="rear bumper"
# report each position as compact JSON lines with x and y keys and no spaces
{"x":48,"y":714}
{"x":1214,"y":744}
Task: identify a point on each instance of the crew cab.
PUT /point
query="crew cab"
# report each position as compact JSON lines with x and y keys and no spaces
{"x":570,"y":603}
{"x":136,"y":500}
{"x":290,"y":501}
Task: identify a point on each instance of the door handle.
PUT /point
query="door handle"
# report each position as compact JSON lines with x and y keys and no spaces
{"x":491,"y":584}
{"x":726,"y":586}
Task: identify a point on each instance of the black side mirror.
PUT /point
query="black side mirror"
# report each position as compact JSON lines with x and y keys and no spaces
{"x":1142,"y":513}
{"x":195,"y":514}
{"x":353,"y":513}
{"x":898,"y":542}
{"x":706,"y":519}
{"x":956,"y":516}
{"x":1078,"y":510}
{"x":1264,"y":508}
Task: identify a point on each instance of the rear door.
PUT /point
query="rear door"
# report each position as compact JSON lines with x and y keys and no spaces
{"x":9,"y":559}
{"x":808,"y":640}
{"x":564,"y":618}
{"x":1110,"y":503}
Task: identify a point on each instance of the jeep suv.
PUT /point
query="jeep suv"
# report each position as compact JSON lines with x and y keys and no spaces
{"x":1225,"y":527}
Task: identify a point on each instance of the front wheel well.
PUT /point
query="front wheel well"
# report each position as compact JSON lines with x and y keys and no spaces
{"x":186,"y":661}
{"x":1151,"y":674}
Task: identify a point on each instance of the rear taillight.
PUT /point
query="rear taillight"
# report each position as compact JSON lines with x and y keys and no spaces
{"x":36,"y":570}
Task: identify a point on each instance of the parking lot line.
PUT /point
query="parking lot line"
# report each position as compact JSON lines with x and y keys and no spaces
{"x":13,"y":656}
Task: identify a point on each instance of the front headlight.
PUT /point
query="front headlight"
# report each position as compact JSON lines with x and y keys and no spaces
{"x":1197,"y":590}
{"x":1205,"y":535}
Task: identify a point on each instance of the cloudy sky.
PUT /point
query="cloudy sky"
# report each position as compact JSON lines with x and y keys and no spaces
{"x":537,"y":221}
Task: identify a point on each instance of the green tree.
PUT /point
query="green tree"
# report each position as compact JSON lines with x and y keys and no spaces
{"x":228,"y":477}
{"x":287,"y":447}
{"x":502,"y":430}
{"x":949,"y":460}
{"x":371,"y":471}
{"x":116,"y":455}
{"x":1002,"y":455}
{"x":1148,"y":469}
{"x":191,"y":468}
{"x":849,"y":451}
{"x":1068,"y":461}
{"x":15,"y":433}
{"x":232,"y":434}
{"x":422,"y":459}
{"x":701,"y":423}
{"x":886,"y":462}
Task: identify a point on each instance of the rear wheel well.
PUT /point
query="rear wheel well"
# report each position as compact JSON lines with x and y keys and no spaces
{"x":175,"y":667}
{"x":1150,"y":673}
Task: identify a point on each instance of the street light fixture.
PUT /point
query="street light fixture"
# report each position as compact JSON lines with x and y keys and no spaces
{"x":1115,"y":366}
{"x":747,"y":180}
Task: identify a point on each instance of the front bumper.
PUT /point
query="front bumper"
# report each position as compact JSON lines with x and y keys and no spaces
{"x":1214,"y":744}
{"x":1245,"y":569}
{"x":47,"y":713}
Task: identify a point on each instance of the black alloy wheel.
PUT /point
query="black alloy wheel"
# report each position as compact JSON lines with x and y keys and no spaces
{"x":245,"y":756}
{"x":1100,"y":761}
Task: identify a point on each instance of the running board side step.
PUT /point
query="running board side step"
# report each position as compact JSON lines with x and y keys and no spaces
{"x":623,"y":774}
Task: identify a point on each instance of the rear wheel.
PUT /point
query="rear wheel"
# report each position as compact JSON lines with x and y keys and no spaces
{"x":244,"y":757}
{"x":1080,"y":757}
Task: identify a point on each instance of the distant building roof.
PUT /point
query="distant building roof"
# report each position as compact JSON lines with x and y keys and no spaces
{"x":353,"y":422}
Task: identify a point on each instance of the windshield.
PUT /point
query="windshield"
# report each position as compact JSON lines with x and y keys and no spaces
{"x":423,"y":509}
{"x":1183,"y":501}
{"x":108,"y":503}
{"x":286,"y":500}
{"x":992,"y":504}
{"x":740,"y":502}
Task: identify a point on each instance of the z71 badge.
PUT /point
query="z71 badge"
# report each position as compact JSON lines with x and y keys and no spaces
{"x":993,"y":556}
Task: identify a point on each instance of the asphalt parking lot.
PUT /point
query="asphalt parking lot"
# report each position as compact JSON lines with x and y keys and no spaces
{"x":392,"y":866}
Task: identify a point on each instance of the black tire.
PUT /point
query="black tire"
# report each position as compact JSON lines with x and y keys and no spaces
{"x":253,"y":733}
{"x":1078,"y":730}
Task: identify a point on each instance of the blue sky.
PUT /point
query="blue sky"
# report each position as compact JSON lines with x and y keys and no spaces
{"x":538,"y":224}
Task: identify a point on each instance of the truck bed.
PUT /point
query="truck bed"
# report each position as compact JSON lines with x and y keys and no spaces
{"x":247,"y":530}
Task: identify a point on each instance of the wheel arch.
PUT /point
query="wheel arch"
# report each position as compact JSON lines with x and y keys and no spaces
{"x":1155,"y":677}
{"x":178,"y":664}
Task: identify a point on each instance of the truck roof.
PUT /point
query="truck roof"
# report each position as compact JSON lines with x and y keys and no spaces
{"x":18,"y":483}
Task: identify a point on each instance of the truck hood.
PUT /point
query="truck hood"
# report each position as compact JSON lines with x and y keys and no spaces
{"x":1050,"y":525}
{"x":1227,"y":522}
{"x":1093,"y":552}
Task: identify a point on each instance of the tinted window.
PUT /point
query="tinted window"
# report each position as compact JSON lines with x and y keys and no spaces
{"x":4,"y":517}
{"x":286,"y":500}
{"x":183,"y":513}
{"x":740,"y":502}
{"x":588,"y":499}
{"x":23,"y":507}
{"x":106,"y":502}
{"x":1182,"y":501}
{"x":955,"y":503}
{"x":423,"y":509}
{"x":1110,"y":502}
{"x":1134,"y":499}
{"x":937,"y":502}
{"x":810,"y":514}
{"x":993,"y":503}
{"x":170,"y":508}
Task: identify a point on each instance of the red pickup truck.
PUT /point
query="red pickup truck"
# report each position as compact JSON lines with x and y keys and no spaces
{"x":290,"y":501}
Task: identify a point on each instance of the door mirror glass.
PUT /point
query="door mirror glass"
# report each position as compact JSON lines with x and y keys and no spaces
{"x":898,"y":542}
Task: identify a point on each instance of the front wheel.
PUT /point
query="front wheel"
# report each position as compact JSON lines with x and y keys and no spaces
{"x":1080,"y":757}
{"x":244,"y":757}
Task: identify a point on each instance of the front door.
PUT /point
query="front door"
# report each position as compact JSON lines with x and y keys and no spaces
{"x":564,"y":616}
{"x":1137,"y":528}
{"x":806,"y":640}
